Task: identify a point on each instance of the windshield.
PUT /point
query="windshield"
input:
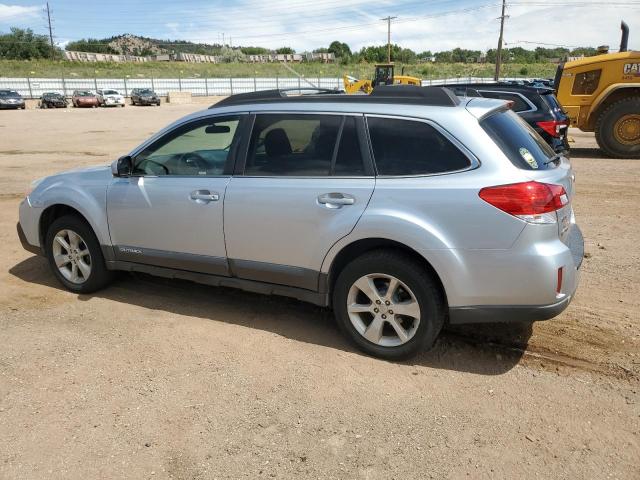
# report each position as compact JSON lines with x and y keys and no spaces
{"x":519,"y":142}
{"x":109,"y":92}
{"x":52,"y":95}
{"x":145,"y":92}
{"x":9,"y":93}
{"x":84,"y":93}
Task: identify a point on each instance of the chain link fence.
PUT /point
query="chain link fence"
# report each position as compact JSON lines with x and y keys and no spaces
{"x":35,"y":87}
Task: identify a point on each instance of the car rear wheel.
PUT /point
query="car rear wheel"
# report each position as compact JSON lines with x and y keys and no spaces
{"x":618,"y":129}
{"x":388,"y":305}
{"x":75,"y":256}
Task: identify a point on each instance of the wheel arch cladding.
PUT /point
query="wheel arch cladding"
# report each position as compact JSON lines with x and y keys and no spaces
{"x":58,"y":210}
{"x":362,"y":246}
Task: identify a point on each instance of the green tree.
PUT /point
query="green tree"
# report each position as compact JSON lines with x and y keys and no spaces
{"x":90,"y":45}
{"x":340,"y":49}
{"x":285,"y":50}
{"x":22,"y":44}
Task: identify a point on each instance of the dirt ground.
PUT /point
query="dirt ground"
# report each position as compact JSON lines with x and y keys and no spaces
{"x":165,"y":379}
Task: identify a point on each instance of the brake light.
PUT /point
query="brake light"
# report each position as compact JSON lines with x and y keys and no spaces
{"x":553,"y":127}
{"x":533,"y":202}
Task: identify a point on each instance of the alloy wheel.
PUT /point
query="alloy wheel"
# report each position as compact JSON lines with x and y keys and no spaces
{"x":71,"y":256}
{"x":383,"y":310}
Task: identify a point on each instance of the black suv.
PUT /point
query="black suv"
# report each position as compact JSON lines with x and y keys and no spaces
{"x":144,"y":96}
{"x":52,"y":100}
{"x":538,"y":106}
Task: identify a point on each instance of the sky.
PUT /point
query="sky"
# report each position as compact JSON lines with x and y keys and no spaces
{"x":433,"y":25}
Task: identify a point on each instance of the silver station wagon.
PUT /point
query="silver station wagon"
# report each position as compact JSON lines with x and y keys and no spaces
{"x":402,"y":211}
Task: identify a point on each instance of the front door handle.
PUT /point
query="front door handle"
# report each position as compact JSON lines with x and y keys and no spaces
{"x":204,"y":196}
{"x":336,"y":200}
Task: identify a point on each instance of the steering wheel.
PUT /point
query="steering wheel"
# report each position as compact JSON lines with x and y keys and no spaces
{"x":194,"y":160}
{"x":143,"y":166}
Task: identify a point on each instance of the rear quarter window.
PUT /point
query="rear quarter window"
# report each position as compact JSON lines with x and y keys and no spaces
{"x":410,"y":147}
{"x":519,"y":104}
{"x":520,"y":143}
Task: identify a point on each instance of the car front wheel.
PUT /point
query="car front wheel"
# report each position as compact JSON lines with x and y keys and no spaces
{"x":75,"y":256}
{"x":388,"y":305}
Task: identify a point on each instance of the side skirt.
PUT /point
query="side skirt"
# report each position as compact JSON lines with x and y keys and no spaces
{"x":320,"y":299}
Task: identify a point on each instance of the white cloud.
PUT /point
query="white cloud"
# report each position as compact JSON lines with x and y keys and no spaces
{"x":17,"y":12}
{"x":358,"y":23}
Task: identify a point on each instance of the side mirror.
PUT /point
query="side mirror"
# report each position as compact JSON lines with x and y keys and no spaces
{"x":122,"y":167}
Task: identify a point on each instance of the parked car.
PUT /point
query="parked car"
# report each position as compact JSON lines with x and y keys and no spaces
{"x":538,"y":106}
{"x":401,"y":210}
{"x":144,"y":96}
{"x":52,"y":100}
{"x":110,"y":98}
{"x":11,"y":99}
{"x":84,"y":98}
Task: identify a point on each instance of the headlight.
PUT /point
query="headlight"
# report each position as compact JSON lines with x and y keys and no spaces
{"x":2,"y":101}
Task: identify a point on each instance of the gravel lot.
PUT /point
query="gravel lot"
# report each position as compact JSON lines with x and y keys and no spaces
{"x":167,"y":379}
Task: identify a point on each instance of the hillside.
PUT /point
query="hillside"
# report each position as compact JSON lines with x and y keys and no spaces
{"x":136,"y":45}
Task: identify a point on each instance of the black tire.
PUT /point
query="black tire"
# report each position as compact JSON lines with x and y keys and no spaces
{"x":99,"y":276}
{"x":414,"y":276}
{"x":133,"y":102}
{"x":606,"y":125}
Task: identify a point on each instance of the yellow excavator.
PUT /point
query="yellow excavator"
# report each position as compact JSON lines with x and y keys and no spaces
{"x":601,"y":94}
{"x":384,"y":75}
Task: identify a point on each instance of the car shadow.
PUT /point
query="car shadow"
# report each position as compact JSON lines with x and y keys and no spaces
{"x":487,"y":349}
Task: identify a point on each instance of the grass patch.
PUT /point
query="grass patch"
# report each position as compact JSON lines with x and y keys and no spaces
{"x":66,"y":69}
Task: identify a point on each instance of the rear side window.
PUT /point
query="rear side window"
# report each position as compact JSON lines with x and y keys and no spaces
{"x":298,"y":145}
{"x":408,"y":147}
{"x":585,"y":83}
{"x":519,"y":142}
{"x":519,"y":104}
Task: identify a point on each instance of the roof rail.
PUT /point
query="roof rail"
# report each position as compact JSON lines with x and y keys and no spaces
{"x":404,"y":94}
{"x":437,"y":96}
{"x":272,"y":95}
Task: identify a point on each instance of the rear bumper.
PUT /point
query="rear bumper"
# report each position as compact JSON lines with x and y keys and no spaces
{"x":507,"y":313}
{"x":530,"y":313}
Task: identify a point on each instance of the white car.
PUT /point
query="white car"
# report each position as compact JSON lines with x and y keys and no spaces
{"x":110,"y":98}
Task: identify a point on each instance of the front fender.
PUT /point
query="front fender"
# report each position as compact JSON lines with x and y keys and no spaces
{"x":86,"y":196}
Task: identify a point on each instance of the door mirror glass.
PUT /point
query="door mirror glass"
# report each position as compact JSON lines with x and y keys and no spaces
{"x":122,"y":167}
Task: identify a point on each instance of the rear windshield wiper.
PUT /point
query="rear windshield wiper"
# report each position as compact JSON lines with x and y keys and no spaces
{"x":554,"y":159}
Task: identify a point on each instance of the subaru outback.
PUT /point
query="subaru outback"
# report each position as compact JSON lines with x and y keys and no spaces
{"x":402,"y":210}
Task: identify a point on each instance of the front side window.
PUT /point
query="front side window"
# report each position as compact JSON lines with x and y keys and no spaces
{"x":199,"y":148}
{"x":292,"y":145}
{"x":409,"y":147}
{"x":586,"y":83}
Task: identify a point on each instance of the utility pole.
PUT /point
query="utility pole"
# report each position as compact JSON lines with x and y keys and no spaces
{"x":50,"y":31}
{"x":499,"y":52}
{"x":388,"y":20}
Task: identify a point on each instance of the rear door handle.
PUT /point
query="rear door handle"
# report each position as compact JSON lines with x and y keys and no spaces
{"x":336,"y":200}
{"x":204,"y":196}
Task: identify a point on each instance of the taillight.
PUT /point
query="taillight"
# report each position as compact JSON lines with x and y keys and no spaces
{"x":533,"y":202}
{"x":553,"y":127}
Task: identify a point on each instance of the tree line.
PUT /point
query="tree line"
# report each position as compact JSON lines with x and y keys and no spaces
{"x":24,"y":44}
